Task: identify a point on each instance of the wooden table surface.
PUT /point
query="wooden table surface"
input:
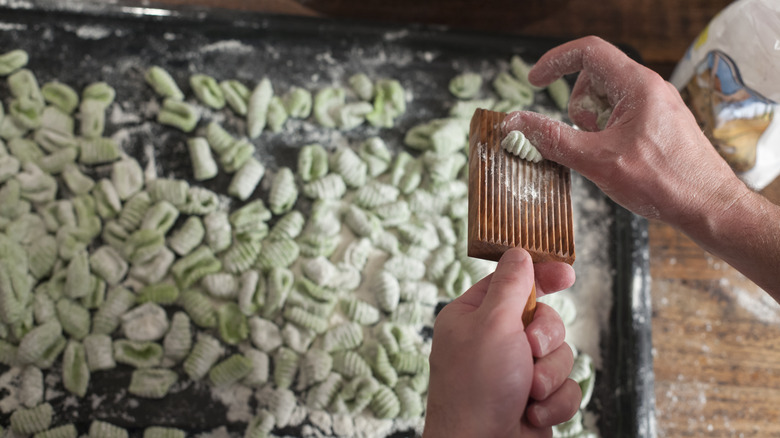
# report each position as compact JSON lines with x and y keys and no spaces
{"x":716,"y":335}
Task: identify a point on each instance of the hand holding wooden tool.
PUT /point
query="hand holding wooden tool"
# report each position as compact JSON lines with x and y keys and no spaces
{"x":514,"y":202}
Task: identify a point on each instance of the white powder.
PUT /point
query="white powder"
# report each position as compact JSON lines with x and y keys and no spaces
{"x":236,"y":398}
{"x":119,"y":116}
{"x":17,"y":4}
{"x":220,"y":432}
{"x":9,"y":388}
{"x":396,"y":35}
{"x":592,"y":290}
{"x":93,"y":32}
{"x":233,"y":46}
{"x":12,"y":26}
{"x":753,"y":299}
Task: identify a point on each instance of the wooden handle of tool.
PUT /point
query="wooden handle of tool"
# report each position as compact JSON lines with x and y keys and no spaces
{"x":530,"y":307}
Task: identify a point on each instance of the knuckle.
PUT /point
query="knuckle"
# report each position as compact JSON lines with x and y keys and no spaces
{"x":593,"y":40}
{"x":549,"y":138}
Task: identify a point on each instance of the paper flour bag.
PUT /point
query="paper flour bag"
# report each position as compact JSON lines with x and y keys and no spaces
{"x":730,"y":79}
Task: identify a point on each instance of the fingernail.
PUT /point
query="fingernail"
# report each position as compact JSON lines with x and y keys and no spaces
{"x":515,"y":255}
{"x":544,"y":341}
{"x":544,"y":380}
{"x":542,"y":414}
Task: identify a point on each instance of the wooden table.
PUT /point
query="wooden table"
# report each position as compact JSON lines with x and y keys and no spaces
{"x":715,"y":334}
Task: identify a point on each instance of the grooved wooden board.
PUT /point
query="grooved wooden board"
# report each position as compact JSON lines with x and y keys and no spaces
{"x":514,"y":202}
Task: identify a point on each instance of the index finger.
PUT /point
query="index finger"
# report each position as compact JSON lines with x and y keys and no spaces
{"x":604,"y":62}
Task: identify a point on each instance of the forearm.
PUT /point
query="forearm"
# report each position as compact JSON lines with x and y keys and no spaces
{"x":742,"y":228}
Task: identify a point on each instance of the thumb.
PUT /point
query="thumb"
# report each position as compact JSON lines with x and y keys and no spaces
{"x":510,"y":286}
{"x":555,"y":140}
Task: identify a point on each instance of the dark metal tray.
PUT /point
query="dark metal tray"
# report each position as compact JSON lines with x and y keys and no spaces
{"x":79,"y":43}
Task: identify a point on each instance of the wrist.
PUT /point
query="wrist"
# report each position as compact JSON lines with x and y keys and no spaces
{"x":733,"y":213}
{"x":710,"y":213}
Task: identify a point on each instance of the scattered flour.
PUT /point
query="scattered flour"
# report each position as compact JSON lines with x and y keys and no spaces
{"x":220,"y":432}
{"x":93,"y":32}
{"x":592,"y":290}
{"x":232,"y":46}
{"x":12,"y":26}
{"x":8,"y":390}
{"x":17,"y":4}
{"x":396,"y":35}
{"x":236,"y":398}
{"x":154,"y":12}
{"x":759,"y":303}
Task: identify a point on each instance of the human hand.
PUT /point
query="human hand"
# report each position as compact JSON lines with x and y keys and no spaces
{"x":484,"y":381}
{"x":649,"y":154}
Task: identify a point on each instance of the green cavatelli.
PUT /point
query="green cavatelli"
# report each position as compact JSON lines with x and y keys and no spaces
{"x":107,"y":263}
{"x":75,"y":318}
{"x":162,"y":83}
{"x":362,"y":86}
{"x":118,"y":301}
{"x":312,"y":162}
{"x":465,"y":85}
{"x":64,"y":431}
{"x":60,"y":95}
{"x":161,"y":217}
{"x":512,"y":89}
{"x":327,"y":103}
{"x":236,"y":155}
{"x":25,"y":113}
{"x":236,"y":95}
{"x":76,"y":182}
{"x":102,"y":429}
{"x":142,"y":245}
{"x":560,"y":92}
{"x":277,"y":114}
{"x":12,"y":61}
{"x":199,"y":307}
{"x":99,"y":92}
{"x":188,"y":237}
{"x":246,"y":179}
{"x":92,"y":118}
{"x":24,"y":85}
{"x":139,"y":354}
{"x":75,"y":372}
{"x":257,"y":108}
{"x":203,"y":356}
{"x":190,"y":269}
{"x":178,"y":114}
{"x":127,"y":177}
{"x":99,"y":150}
{"x":32,"y":420}
{"x":298,"y":103}
{"x":163,"y":432}
{"x":207,"y":91}
{"x":107,"y":202}
{"x":231,"y":323}
{"x":56,"y":161}
{"x":389,"y":103}
{"x":174,"y":191}
{"x":152,"y":382}
{"x":178,"y":341}
{"x":230,"y":370}
{"x":204,"y":166}
{"x":284,"y":191}
{"x":99,"y":352}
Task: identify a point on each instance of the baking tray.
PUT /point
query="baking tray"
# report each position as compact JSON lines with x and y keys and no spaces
{"x":79,"y":43}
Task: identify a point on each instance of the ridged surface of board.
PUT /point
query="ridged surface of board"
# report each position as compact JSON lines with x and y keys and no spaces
{"x":514,"y":202}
